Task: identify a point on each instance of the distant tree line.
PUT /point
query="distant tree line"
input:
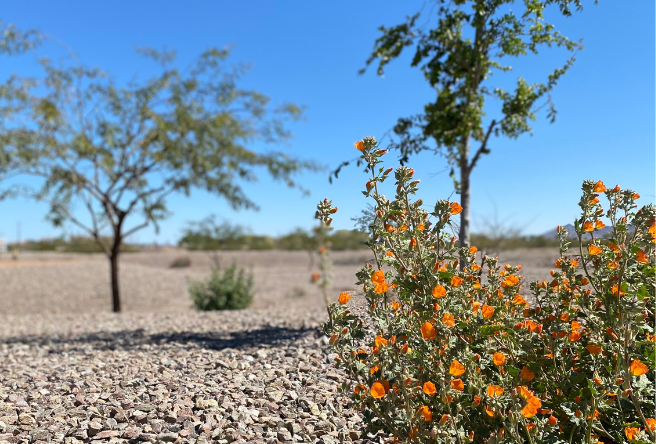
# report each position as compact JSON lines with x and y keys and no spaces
{"x":209,"y":234}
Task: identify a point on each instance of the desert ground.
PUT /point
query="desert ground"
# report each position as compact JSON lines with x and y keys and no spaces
{"x":71,"y":371}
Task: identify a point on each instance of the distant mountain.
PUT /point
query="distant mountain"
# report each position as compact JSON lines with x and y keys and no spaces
{"x":571,"y":232}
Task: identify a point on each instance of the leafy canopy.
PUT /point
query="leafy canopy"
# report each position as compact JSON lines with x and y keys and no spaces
{"x":458,"y":55}
{"x":120,"y":150}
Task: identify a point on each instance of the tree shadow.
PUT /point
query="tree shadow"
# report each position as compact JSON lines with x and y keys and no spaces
{"x":264,"y":337}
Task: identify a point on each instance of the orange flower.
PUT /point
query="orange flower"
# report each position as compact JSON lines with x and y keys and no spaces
{"x":527,"y":374}
{"x":553,"y":420}
{"x":444,"y":419}
{"x":315,"y":276}
{"x":334,"y":338}
{"x":574,"y":336}
{"x":594,"y":349}
{"x":396,"y":305}
{"x":636,"y":196}
{"x":477,"y":400}
{"x":473,"y":250}
{"x":518,"y":300}
{"x":389,"y":254}
{"x":389,"y":228}
{"x":374,"y":369}
{"x":487,"y":311}
{"x":378,"y":277}
{"x":428,"y":331}
{"x":378,"y":389}
{"x":587,"y":226}
{"x":576,"y":325}
{"x":494,"y":390}
{"x":439,"y":292}
{"x":380,"y":341}
{"x":529,"y":410}
{"x":448,"y":320}
{"x":631,"y":432}
{"x":457,"y":384}
{"x":413,"y":242}
{"x":429,"y":388}
{"x":498,"y":358}
{"x":455,"y":208}
{"x":344,"y":298}
{"x":651,"y":422}
{"x":475,"y":306}
{"x":599,"y":187}
{"x":638,"y":368}
{"x":456,"y":281}
{"x":510,"y":281}
{"x":456,"y":368}
{"x":564,"y":317}
{"x":642,"y":257}
{"x":616,"y":289}
{"x":599,"y":225}
{"x":613,"y":247}
{"x":426,"y":413}
{"x":594,"y":250}
{"x":359,"y":146}
{"x":489,"y":411}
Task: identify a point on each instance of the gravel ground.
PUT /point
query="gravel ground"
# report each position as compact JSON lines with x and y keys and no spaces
{"x":72,"y":372}
{"x":245,"y":376}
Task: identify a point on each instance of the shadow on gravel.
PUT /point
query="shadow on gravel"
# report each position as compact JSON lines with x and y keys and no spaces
{"x":136,"y":339}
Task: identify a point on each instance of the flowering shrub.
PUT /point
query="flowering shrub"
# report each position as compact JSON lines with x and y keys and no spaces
{"x":447,"y":353}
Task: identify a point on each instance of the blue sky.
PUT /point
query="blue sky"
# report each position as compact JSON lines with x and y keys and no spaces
{"x":310,"y":53}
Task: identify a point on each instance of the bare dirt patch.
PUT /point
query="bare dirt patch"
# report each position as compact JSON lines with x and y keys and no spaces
{"x":77,"y":283}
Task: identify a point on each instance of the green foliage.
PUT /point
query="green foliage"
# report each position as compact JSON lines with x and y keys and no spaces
{"x":210,"y":235}
{"x":450,"y":352}
{"x":14,"y":41}
{"x":487,"y":243}
{"x":119,"y":151}
{"x":230,"y":289}
{"x":75,"y":244}
{"x":458,"y":54}
{"x":181,"y":262}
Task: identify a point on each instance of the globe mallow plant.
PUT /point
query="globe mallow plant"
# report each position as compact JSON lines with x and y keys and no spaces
{"x":450,"y":350}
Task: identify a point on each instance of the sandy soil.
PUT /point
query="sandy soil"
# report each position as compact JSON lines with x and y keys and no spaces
{"x":41,"y":283}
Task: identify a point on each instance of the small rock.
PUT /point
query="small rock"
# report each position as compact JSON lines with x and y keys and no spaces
{"x":94,"y":428}
{"x":167,"y":437}
{"x":26,"y":419}
{"x":107,"y":434}
{"x":39,"y":435}
{"x":204,"y":404}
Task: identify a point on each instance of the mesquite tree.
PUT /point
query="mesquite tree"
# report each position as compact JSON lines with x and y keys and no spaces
{"x":458,"y":47}
{"x":119,"y":151}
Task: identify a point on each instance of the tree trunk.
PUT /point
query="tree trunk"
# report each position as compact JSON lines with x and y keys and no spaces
{"x":113,"y":265}
{"x":464,"y":194}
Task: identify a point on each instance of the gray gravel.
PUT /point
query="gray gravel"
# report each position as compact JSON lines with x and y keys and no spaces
{"x":72,"y":372}
{"x":244,"y":376}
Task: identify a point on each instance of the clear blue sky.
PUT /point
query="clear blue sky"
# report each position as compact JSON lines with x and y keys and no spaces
{"x":310,"y":52}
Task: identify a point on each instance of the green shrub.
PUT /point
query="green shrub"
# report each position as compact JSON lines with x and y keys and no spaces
{"x":230,"y":289}
{"x":181,"y":262}
{"x":450,"y":352}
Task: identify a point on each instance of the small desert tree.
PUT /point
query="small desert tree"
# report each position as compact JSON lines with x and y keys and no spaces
{"x":119,"y":151}
{"x":458,"y":53}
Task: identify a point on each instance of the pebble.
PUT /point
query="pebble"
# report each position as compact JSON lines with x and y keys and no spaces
{"x":244,"y":376}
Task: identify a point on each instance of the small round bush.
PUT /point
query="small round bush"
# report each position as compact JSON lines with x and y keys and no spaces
{"x":230,"y":289}
{"x":181,"y":262}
